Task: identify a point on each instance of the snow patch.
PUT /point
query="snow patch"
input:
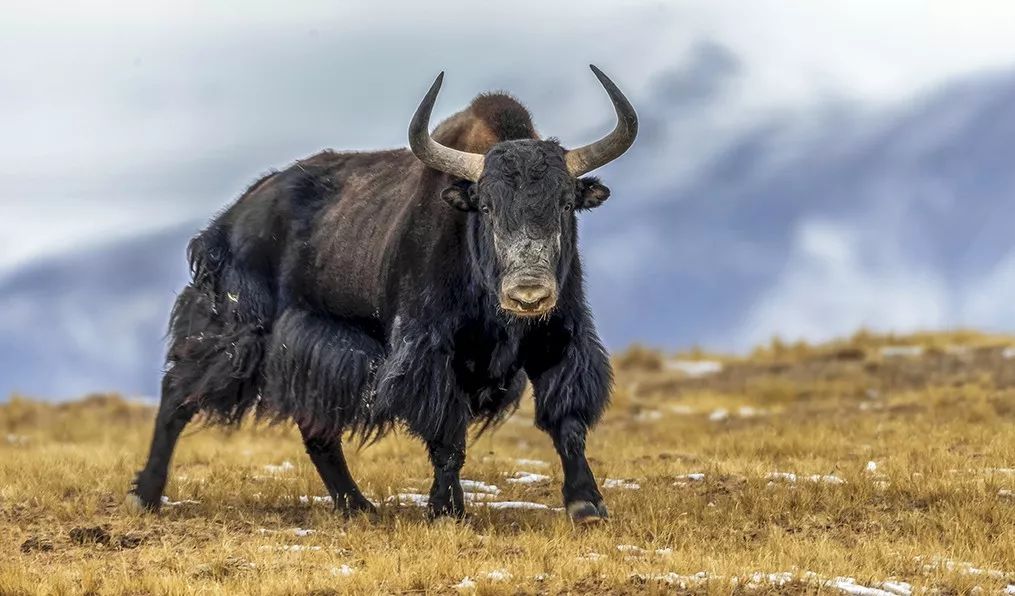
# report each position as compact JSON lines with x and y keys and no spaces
{"x":792,"y":478}
{"x":940,"y":564}
{"x":300,"y":532}
{"x":759,"y":580}
{"x":478,"y":499}
{"x":304,"y":499}
{"x":408,"y":499}
{"x":621,"y":483}
{"x":749,"y":412}
{"x":692,"y":477}
{"x":290,"y":548}
{"x":342,"y":571}
{"x":498,"y":575}
{"x":516,"y":505}
{"x":636,"y":551}
{"x":719,"y":415}
{"x":479,"y":486}
{"x":630,"y":549}
{"x":467,"y":583}
{"x":168,"y":503}
{"x":473,"y":497}
{"x":528,"y":478}
{"x":848,"y":585}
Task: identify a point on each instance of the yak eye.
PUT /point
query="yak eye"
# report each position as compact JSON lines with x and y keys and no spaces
{"x":485,"y":208}
{"x":568,"y":206}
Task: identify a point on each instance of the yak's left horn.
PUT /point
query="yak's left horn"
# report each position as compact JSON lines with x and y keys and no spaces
{"x":461,"y":164}
{"x":595,"y":155}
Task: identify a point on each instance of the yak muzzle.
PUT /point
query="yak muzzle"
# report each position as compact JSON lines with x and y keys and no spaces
{"x":529,"y":298}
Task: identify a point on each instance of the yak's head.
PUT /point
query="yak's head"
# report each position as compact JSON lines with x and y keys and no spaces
{"x":525,"y":193}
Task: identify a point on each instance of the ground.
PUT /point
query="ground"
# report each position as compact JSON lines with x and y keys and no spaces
{"x":853,"y":467}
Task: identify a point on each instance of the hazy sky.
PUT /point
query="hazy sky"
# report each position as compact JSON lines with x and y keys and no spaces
{"x":121,"y":116}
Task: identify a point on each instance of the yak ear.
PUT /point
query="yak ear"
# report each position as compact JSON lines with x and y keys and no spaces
{"x":591,"y":193}
{"x":460,"y":196}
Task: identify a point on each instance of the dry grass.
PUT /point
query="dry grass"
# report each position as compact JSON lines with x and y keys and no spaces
{"x":940,"y":426}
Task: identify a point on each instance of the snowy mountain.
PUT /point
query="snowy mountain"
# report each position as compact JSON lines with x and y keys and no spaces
{"x":810,"y":227}
{"x":92,"y":320}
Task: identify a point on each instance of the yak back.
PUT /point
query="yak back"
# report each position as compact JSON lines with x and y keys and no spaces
{"x":368,"y":235}
{"x":365,"y":235}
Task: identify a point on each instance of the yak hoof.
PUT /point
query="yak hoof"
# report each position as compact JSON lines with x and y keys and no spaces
{"x":355,"y":504}
{"x":135,"y":504}
{"x":587,"y":512}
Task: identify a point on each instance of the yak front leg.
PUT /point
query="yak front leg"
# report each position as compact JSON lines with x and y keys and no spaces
{"x":582,"y":499}
{"x":416,"y":384}
{"x":571,"y":379}
{"x":447,"y":454}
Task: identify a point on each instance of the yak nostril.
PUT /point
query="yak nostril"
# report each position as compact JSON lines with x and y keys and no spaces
{"x":529,"y":295}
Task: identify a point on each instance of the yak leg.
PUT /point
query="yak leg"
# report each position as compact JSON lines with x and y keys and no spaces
{"x":329,"y":460}
{"x":172,"y":417}
{"x":571,"y":381}
{"x":582,"y":498}
{"x":447,"y":454}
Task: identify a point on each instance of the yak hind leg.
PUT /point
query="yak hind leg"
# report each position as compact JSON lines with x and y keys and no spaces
{"x":329,"y":459}
{"x":317,"y":372}
{"x":173,"y":416}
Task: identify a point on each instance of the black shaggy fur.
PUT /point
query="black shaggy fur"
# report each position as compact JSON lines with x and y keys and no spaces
{"x":343,"y":294}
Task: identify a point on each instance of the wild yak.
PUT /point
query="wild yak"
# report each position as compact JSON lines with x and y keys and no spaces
{"x":352,"y":292}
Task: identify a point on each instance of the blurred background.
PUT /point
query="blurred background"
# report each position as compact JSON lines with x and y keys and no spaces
{"x":804,"y":169}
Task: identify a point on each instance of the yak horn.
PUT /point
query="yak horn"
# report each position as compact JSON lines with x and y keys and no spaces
{"x":585,"y":159}
{"x":460,"y":164}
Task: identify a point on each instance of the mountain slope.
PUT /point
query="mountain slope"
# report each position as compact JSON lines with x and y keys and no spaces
{"x":817,"y":225}
{"x":93,"y":320}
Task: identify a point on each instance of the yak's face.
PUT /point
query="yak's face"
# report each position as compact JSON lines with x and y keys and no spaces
{"x":525,"y":200}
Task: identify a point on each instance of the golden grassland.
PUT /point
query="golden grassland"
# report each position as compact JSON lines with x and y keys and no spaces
{"x":935,"y":413}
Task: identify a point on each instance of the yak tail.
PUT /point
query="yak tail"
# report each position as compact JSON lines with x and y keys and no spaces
{"x":217,"y":331}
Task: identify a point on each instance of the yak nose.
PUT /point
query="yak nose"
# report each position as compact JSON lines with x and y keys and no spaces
{"x":529,"y":297}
